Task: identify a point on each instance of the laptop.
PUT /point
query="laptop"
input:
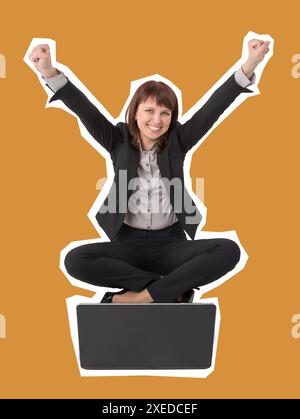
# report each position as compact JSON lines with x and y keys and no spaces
{"x":146,"y":336}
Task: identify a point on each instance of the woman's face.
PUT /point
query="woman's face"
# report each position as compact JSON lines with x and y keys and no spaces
{"x":152,"y":120}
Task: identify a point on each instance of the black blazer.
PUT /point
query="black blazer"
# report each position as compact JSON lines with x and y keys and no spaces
{"x":181,"y":138}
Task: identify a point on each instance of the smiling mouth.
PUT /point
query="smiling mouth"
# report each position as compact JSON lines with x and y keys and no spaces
{"x":154,"y":129}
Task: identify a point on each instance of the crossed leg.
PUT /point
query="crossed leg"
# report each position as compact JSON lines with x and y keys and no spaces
{"x":192,"y":264}
{"x":154,"y":273}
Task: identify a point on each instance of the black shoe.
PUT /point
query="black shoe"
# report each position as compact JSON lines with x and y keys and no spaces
{"x":107,"y":298}
{"x":188,"y":296}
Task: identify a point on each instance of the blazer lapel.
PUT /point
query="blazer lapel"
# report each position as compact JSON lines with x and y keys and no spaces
{"x":132,"y":167}
{"x":163,"y":163}
{"x":134,"y":161}
{"x":164,"y":167}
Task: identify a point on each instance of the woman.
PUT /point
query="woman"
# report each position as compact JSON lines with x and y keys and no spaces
{"x":148,"y":254}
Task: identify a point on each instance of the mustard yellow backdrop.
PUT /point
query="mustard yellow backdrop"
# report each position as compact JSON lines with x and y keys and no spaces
{"x":250,"y":164}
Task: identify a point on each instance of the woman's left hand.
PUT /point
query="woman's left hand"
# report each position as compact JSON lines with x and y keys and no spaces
{"x":257,"y":50}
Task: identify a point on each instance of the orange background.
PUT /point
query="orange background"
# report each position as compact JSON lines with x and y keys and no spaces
{"x":49,"y":174}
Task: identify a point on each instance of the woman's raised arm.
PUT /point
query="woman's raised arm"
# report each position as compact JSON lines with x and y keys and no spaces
{"x":102,"y":130}
{"x":200,"y":123}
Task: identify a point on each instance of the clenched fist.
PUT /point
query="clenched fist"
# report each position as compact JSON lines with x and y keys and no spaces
{"x":257,"y":50}
{"x":41,"y":58}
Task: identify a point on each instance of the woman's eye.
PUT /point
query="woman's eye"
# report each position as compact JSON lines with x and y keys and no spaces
{"x":151,"y":110}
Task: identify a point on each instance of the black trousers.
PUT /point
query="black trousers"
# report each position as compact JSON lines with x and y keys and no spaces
{"x":163,"y":261}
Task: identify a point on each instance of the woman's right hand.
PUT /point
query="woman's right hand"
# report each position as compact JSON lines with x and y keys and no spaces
{"x":41,"y":58}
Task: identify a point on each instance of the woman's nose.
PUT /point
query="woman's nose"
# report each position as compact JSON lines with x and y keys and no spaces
{"x":156,"y":118}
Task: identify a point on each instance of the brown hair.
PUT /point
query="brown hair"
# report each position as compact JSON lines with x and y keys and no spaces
{"x":164,"y":96}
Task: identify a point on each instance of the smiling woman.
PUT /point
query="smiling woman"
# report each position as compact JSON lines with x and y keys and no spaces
{"x":152,"y":112}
